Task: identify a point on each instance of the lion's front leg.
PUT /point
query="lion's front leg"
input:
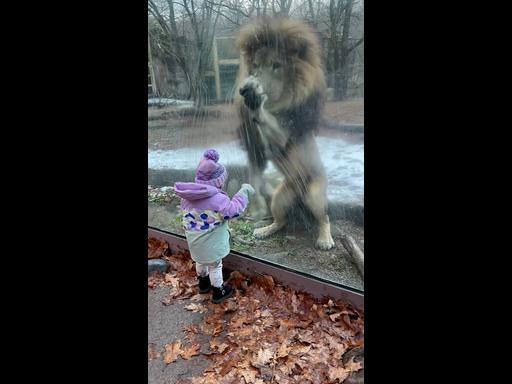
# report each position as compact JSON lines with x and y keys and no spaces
{"x":254,"y":99}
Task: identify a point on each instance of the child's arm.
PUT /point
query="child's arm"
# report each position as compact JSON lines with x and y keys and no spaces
{"x":238,"y":204}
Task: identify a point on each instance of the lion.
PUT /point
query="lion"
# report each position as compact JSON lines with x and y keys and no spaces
{"x":282,"y":90}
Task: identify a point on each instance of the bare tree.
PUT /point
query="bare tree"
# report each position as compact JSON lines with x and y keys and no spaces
{"x":190,"y":45}
{"x":340,"y":13}
{"x":186,"y":30}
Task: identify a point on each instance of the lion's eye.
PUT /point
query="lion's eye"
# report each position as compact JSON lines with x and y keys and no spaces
{"x":276,"y":65}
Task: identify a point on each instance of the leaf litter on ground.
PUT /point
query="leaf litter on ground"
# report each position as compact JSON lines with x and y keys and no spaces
{"x":266,"y":333}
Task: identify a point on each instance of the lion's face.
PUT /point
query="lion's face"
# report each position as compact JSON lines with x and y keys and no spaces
{"x":269,"y":68}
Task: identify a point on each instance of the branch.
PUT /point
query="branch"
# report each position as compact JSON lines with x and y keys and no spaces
{"x":227,"y":18}
{"x":231,"y":8}
{"x":159,"y":18}
{"x":359,"y":42}
{"x":354,"y":251}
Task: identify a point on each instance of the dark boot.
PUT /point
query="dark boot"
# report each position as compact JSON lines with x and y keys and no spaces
{"x":204,"y":284}
{"x":222,"y":293}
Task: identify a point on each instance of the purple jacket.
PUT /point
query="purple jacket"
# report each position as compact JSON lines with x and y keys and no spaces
{"x":196,"y":196}
{"x":206,"y":210}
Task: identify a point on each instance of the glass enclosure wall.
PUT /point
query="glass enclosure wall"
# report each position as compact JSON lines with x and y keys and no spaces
{"x":194,"y":102}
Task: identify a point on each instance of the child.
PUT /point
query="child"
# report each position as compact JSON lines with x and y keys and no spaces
{"x":206,"y":211}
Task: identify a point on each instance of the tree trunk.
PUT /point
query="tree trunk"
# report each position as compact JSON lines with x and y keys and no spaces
{"x":342,"y":74}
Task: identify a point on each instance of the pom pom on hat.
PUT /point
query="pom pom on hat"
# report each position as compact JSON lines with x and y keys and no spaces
{"x":211,"y":154}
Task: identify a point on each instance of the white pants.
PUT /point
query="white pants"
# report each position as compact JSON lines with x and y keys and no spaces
{"x":214,"y":270}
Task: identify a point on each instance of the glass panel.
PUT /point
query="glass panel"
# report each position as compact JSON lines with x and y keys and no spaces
{"x":194,"y":103}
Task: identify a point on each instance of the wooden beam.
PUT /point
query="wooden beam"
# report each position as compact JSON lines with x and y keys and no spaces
{"x":229,"y":62}
{"x":216,"y":69}
{"x":154,"y":88}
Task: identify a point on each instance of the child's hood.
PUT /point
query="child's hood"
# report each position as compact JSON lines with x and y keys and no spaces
{"x":195,"y":191}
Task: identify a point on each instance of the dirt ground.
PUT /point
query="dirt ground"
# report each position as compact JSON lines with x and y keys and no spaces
{"x":292,"y":247}
{"x":171,"y":127}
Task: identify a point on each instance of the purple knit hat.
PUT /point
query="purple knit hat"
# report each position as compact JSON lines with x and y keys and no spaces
{"x":209,"y":171}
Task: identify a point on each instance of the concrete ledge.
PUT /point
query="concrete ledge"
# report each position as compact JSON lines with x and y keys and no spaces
{"x":297,"y":280}
{"x":349,"y":128}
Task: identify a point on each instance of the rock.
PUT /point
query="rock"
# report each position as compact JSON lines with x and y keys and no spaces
{"x":355,"y":378}
{"x":357,"y":355}
{"x":157,"y":265}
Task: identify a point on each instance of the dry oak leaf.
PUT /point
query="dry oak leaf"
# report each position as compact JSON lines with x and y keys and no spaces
{"x":263,"y":358}
{"x":211,"y":329}
{"x":282,"y":351}
{"x":196,"y":308}
{"x":199,"y":297}
{"x":156,"y":248}
{"x":264,"y":281}
{"x":249,"y":374}
{"x":339,"y":373}
{"x":217,"y":346}
{"x":230,"y":306}
{"x":288,"y":366}
{"x":172,"y":351}
{"x":306,"y":336}
{"x":192,"y":351}
{"x":169,"y":278}
{"x":299,"y":350}
{"x":185,"y":295}
{"x":338,"y":348}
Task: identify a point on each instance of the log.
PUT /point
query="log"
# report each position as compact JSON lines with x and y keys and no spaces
{"x":355,"y":252}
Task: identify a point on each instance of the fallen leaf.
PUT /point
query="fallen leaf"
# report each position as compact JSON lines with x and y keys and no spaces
{"x":299,"y":350}
{"x":238,"y":321}
{"x":295,"y":303}
{"x":175,"y":282}
{"x":338,"y":373}
{"x":237,"y":280}
{"x":192,"y":351}
{"x":264,"y":281}
{"x":211,"y":329}
{"x":218,"y":347}
{"x":288,"y":366}
{"x":282,"y":351}
{"x":263,"y":358}
{"x":196,"y":308}
{"x":191,"y":329}
{"x":200,"y":297}
{"x":272,"y":333}
{"x":186,"y":294}
{"x":266,"y":313}
{"x":230,"y":306}
{"x":337,"y":348}
{"x":153,"y":354}
{"x":306,"y":337}
{"x":157,"y":248}
{"x":155,"y":280}
{"x":249,"y":374}
{"x":172,"y":351}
